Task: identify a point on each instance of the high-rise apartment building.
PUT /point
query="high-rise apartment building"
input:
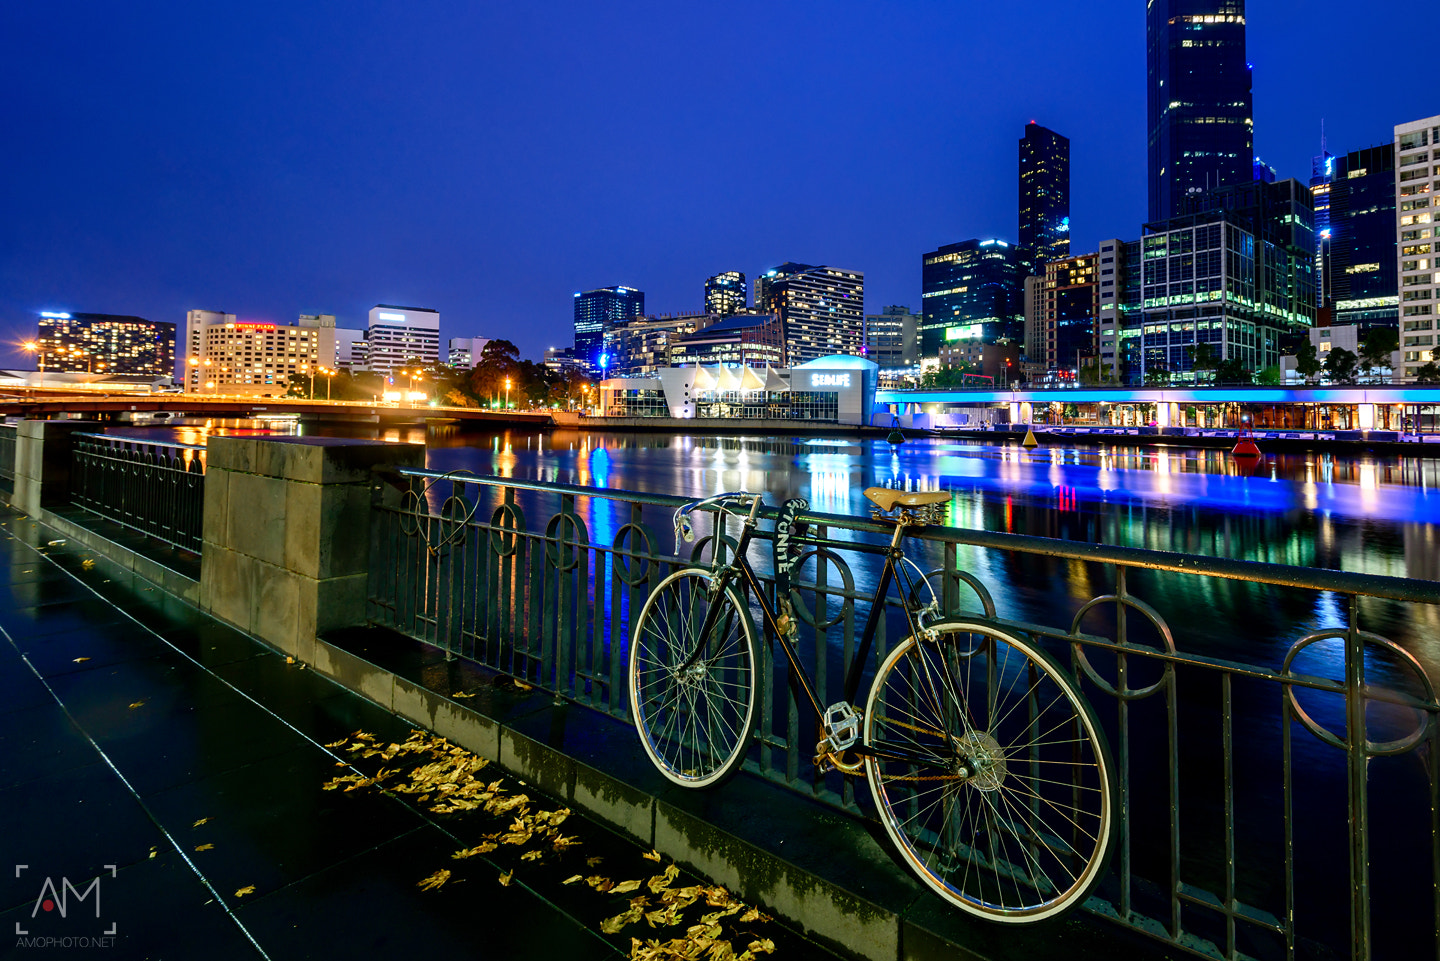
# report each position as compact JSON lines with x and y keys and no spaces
{"x":1119,"y":297}
{"x":641,"y":346}
{"x":227,"y":356}
{"x":892,"y":337}
{"x":1070,"y":314}
{"x":973,"y":290}
{"x":1417,"y":193}
{"x":106,"y":343}
{"x":725,"y":294}
{"x":596,"y":311}
{"x":821,"y":309}
{"x":1235,"y":271}
{"x":1044,"y":195}
{"x":1201,"y":131}
{"x":352,"y":350}
{"x":1322,"y":173}
{"x":1360,"y":281}
{"x":403,"y":335}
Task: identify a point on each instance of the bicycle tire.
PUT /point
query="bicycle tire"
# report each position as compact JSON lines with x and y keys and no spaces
{"x":694,"y":726}
{"x":1012,"y":816}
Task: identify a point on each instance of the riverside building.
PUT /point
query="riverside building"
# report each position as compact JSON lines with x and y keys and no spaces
{"x":596,"y":311}
{"x":105,"y":343}
{"x":229,"y":356}
{"x":1044,"y":195}
{"x":821,"y":309}
{"x":725,"y":294}
{"x":399,"y":336}
{"x":973,"y":290}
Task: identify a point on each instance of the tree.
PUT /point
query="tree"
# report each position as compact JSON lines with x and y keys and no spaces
{"x":1428,"y":374}
{"x":1269,"y":377}
{"x":499,"y":361}
{"x":1341,"y":365}
{"x":1203,"y":357}
{"x":1307,"y":364}
{"x":1377,"y":347}
{"x":1157,"y":377}
{"x":1232,"y":371}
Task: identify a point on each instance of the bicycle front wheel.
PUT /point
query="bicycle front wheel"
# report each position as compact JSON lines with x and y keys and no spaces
{"x":990,"y":772}
{"x":692,"y":691}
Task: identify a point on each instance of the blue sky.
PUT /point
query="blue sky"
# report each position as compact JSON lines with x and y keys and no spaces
{"x":489,"y":160}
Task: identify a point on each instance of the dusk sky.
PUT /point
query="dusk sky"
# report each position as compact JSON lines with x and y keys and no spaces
{"x":488,"y":160}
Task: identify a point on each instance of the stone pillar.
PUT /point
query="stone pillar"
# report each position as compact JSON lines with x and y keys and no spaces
{"x":43,"y":452}
{"x":286,"y":551}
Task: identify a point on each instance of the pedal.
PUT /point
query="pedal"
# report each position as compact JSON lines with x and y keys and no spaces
{"x":842,"y":728}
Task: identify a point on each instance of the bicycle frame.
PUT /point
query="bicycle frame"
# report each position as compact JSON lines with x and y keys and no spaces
{"x":800,"y":677}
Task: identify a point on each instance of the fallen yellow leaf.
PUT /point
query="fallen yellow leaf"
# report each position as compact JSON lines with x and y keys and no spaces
{"x":200,"y":822}
{"x":532,"y":855}
{"x":505,"y":879}
{"x":654,"y":855}
{"x":248,"y":889}
{"x":205,"y":847}
{"x":81,"y":660}
{"x":625,"y":887}
{"x":135,"y":704}
{"x":435,"y":881}
{"x":572,"y":879}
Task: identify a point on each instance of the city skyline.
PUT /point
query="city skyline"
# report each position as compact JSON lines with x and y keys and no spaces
{"x":268,"y":187}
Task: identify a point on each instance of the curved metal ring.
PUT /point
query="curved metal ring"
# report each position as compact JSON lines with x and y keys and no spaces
{"x":643,"y":551}
{"x":1151,"y":615}
{"x":553,"y":537}
{"x":847,"y":583}
{"x":1371,"y":748}
{"x":506,"y":542}
{"x":987,"y":603}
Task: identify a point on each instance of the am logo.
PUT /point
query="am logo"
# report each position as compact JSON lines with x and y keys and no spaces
{"x":59,"y":899}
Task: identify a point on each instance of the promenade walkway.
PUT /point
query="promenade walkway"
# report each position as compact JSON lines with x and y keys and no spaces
{"x":180,"y":762}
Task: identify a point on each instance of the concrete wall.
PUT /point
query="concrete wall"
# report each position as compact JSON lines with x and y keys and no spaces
{"x":43,"y":451}
{"x":286,"y":547}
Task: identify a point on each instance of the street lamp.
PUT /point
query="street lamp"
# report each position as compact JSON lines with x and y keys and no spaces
{"x":507,"y":393}
{"x":329,"y":376}
{"x":32,"y":347}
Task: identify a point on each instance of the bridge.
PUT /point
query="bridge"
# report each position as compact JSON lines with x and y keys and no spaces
{"x":42,"y":405}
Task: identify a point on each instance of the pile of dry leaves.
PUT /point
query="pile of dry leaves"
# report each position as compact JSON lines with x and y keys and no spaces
{"x":442,"y":778}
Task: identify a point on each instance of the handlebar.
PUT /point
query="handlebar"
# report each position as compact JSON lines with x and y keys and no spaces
{"x":682,"y":519}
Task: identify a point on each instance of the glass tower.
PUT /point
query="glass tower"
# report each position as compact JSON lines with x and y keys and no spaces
{"x":1360,"y":273}
{"x":973,"y":290}
{"x":725,"y":294}
{"x":596,"y":311}
{"x":1201,"y":131}
{"x":1044,"y":195}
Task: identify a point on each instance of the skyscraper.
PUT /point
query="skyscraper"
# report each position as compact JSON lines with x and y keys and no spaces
{"x":973,"y":290}
{"x":725,"y":294}
{"x":1044,"y":195}
{"x":1201,"y":132}
{"x":1360,"y":280}
{"x":402,"y":335}
{"x":822,"y":309}
{"x":595,"y":311}
{"x":1417,"y":180}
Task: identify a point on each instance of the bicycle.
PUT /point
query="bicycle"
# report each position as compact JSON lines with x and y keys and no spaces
{"x":1005,"y":812}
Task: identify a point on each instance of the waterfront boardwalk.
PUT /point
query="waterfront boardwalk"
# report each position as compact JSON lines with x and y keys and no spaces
{"x":138,"y":733}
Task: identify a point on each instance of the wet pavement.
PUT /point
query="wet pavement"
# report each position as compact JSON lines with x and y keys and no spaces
{"x":155,"y":764}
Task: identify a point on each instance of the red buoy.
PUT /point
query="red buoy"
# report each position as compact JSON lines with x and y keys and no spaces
{"x":1245,"y":446}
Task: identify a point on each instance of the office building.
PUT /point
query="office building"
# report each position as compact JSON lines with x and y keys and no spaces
{"x":1200,"y":128}
{"x":595,"y":312}
{"x":1235,"y":271}
{"x":352,"y":350}
{"x":892,"y":337}
{"x":464,"y":353}
{"x":1417,"y":190}
{"x":1262,"y":172}
{"x":743,"y":340}
{"x":1044,"y":195}
{"x":1069,"y":315}
{"x":1359,"y":283}
{"x":228,"y":356}
{"x":401,"y":336}
{"x":1322,"y":174}
{"x":821,"y":309}
{"x":642,"y":346}
{"x":105,"y":343}
{"x":973,"y":290}
{"x":725,"y":294}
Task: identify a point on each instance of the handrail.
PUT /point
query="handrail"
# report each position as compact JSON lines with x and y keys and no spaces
{"x":122,"y":439}
{"x":1282,"y":575}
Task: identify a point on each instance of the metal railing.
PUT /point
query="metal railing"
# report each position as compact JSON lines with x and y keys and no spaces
{"x":151,"y":486}
{"x":1277,"y":800}
{"x":8,"y":433}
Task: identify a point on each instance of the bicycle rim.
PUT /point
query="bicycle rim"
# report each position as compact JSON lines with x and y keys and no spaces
{"x":694,"y":713}
{"x":1010,"y":815}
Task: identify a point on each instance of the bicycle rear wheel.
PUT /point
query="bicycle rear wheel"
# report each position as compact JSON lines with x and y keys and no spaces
{"x":693,"y":697}
{"x":990,"y":772}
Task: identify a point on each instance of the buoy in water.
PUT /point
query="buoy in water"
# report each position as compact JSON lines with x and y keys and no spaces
{"x":1245,"y":447}
{"x":1029,"y":440}
{"x":896,"y":437}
